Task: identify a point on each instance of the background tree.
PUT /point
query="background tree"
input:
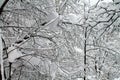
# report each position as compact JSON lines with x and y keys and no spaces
{"x":60,"y":39}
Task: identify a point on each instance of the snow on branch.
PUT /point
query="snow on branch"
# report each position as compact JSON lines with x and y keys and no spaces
{"x":13,"y":53}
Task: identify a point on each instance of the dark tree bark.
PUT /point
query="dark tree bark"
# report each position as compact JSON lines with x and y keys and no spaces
{"x":3,"y":5}
{"x":85,"y":53}
{"x":0,"y":76}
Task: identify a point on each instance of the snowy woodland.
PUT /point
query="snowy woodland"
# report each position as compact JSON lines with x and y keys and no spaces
{"x":60,"y":40}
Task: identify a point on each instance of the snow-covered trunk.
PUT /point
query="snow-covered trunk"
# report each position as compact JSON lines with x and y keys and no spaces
{"x":1,"y":57}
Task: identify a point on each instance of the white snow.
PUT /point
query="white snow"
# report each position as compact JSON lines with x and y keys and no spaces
{"x":73,"y":18}
{"x":78,"y":49}
{"x":13,"y":53}
{"x":79,"y":79}
{"x":93,"y":2}
{"x":45,"y":65}
{"x":93,"y":77}
{"x":52,"y":19}
{"x":117,"y":78}
{"x":117,"y":4}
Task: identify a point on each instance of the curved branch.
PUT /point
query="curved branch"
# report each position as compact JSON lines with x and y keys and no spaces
{"x":3,"y":5}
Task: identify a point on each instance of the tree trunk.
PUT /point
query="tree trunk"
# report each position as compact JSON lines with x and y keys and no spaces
{"x":1,"y":47}
{"x":85,"y":55}
{"x":1,"y":58}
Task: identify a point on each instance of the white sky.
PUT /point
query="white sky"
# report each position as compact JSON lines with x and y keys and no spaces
{"x":95,"y":1}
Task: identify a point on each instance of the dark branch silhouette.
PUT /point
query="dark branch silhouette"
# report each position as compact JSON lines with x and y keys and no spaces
{"x":3,"y":5}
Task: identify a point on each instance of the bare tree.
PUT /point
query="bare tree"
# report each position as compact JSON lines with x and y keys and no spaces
{"x":56,"y":39}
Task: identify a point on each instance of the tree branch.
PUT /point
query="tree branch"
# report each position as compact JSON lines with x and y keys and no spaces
{"x":3,"y":5}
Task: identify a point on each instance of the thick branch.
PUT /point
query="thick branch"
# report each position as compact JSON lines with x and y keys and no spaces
{"x":3,"y":5}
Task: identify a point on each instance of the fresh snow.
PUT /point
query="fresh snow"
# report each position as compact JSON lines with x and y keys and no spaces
{"x":73,"y":18}
{"x":117,"y":78}
{"x":79,"y":79}
{"x":78,"y":50}
{"x":13,"y":53}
